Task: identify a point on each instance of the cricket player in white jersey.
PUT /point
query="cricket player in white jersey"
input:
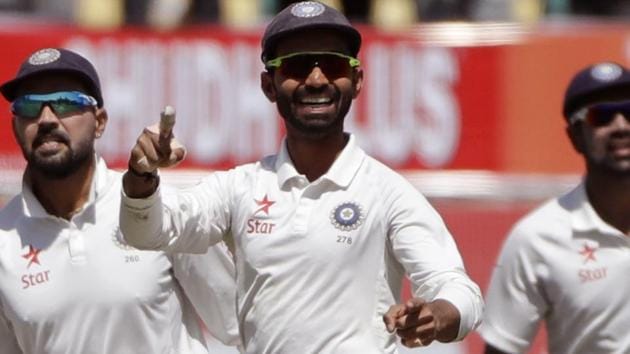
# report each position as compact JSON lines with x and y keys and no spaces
{"x":568,"y":262}
{"x":324,"y":233}
{"x":68,"y":281}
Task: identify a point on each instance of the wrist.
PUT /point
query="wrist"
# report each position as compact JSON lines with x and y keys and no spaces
{"x":140,"y":185}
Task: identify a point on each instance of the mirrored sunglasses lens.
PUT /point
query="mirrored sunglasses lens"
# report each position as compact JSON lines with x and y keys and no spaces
{"x":64,"y":107}
{"x":26,"y":108}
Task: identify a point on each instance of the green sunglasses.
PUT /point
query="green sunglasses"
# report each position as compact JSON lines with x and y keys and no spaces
{"x":300,"y":64}
{"x":63,"y":103}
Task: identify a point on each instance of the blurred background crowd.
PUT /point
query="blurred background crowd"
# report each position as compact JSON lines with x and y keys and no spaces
{"x":169,"y":14}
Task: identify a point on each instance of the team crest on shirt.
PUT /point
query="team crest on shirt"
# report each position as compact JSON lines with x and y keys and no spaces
{"x":119,"y":241}
{"x":347,"y":216}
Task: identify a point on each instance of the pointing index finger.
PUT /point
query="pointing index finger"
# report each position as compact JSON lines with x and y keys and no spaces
{"x":167,"y":121}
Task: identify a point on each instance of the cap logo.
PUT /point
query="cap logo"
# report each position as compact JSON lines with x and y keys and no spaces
{"x":44,"y":56}
{"x":307,"y":9}
{"x":606,"y":72}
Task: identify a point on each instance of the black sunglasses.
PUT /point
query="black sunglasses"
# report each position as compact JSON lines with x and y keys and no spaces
{"x":601,"y":114}
{"x":299,"y":65}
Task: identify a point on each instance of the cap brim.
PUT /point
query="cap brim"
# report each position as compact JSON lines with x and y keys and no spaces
{"x":9,"y":88}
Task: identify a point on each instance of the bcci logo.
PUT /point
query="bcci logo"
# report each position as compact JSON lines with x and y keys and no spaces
{"x":307,"y":9}
{"x":347,"y":216}
{"x":606,"y":72}
{"x":44,"y":56}
{"x":119,"y":241}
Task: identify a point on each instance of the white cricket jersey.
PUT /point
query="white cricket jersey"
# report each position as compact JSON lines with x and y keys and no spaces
{"x":562,"y":264}
{"x":318,"y":263}
{"x":76,"y":287}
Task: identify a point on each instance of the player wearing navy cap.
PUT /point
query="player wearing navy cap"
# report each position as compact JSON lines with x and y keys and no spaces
{"x":567,"y":262}
{"x":324,"y":233}
{"x":68,"y":281}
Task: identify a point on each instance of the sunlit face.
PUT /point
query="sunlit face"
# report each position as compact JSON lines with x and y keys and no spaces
{"x":606,"y":148}
{"x":56,"y":146}
{"x":315,"y":105}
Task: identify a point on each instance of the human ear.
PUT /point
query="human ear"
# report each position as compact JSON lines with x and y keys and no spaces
{"x":575,"y":134}
{"x":100,"y":121}
{"x":357,"y":82}
{"x":267,"y":85}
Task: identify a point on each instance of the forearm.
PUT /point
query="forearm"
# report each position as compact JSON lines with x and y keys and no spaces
{"x":464,"y":297}
{"x":141,"y":220}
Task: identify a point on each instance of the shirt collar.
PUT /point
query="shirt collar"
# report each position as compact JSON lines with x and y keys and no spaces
{"x":584,"y":218}
{"x":341,"y":173}
{"x":32,"y":206}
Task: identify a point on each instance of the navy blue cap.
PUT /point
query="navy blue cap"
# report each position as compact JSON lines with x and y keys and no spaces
{"x":308,"y":15}
{"x":55,"y":60}
{"x":592,"y":82}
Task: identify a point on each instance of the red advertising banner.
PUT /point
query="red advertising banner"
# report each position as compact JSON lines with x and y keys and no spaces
{"x":410,"y":114}
{"x":443,"y":97}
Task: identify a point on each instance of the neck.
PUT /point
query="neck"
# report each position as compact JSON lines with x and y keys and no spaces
{"x":63,"y":197}
{"x":313,"y":157}
{"x":610,"y":197}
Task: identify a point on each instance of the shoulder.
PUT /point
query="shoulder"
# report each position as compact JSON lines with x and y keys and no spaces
{"x":548,"y":224}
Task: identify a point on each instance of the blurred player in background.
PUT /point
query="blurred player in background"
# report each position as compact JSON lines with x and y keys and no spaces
{"x":68,"y":282}
{"x":324,"y":234}
{"x":567,"y":263}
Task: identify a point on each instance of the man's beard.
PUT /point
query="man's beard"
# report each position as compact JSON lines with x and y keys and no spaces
{"x":312,"y":128}
{"x":65,"y":164}
{"x":608,"y":165}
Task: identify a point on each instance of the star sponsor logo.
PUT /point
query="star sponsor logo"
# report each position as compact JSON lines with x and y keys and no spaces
{"x":347,"y":216}
{"x":588,"y":252}
{"x":263,"y":205}
{"x":256,"y":226}
{"x":32,"y":256}
{"x":590,"y":274}
{"x":33,"y":279}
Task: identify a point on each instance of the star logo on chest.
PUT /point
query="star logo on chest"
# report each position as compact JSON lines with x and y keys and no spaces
{"x":263,"y":205}
{"x":32,"y":255}
{"x":588,"y":253}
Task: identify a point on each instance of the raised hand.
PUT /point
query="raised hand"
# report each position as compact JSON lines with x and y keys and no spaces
{"x":156,"y":147}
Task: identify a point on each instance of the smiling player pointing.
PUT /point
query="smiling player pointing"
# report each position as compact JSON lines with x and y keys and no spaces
{"x":324,"y":233}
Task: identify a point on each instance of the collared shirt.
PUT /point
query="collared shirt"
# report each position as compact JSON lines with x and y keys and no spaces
{"x":562,"y":264}
{"x":318,"y":263}
{"x":76,"y":286}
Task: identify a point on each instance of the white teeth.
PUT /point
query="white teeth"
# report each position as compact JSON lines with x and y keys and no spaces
{"x":315,"y":100}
